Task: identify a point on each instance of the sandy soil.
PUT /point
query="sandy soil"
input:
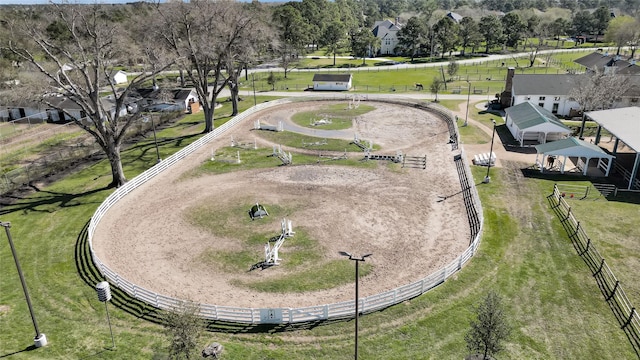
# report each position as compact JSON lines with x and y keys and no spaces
{"x":398,"y":216}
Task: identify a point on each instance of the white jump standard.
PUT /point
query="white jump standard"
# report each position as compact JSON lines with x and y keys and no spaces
{"x":271,"y":252}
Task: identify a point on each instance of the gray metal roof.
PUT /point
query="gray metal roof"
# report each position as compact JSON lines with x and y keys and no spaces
{"x":600,"y":61}
{"x":572,"y":147}
{"x":560,"y":85}
{"x":527,"y":115}
{"x":623,"y":123}
{"x":332,"y":77}
{"x":543,"y":84}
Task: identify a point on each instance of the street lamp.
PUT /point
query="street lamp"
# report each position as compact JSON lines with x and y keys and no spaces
{"x":155,"y":139}
{"x":357,"y":261}
{"x":468,"y":98}
{"x":40,"y":340}
{"x":253,"y":80}
{"x":104,"y":295}
{"x":487,"y":179}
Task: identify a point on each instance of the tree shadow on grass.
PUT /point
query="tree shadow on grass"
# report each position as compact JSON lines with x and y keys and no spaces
{"x":46,"y":199}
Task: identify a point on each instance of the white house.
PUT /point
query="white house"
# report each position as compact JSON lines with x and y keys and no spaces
{"x":118,"y":77}
{"x":550,"y":92}
{"x":332,"y":82}
{"x":531,"y":124}
{"x":387,"y":32}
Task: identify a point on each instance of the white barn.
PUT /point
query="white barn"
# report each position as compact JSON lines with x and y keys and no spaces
{"x":531,"y":125}
{"x":332,"y":82}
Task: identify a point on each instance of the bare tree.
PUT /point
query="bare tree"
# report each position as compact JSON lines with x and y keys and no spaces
{"x":489,"y":328}
{"x":245,"y":44}
{"x":598,"y":90}
{"x":75,"y":48}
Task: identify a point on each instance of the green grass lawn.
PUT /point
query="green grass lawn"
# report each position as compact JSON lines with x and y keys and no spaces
{"x":551,"y":300}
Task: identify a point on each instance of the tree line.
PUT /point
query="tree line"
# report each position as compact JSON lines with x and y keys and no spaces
{"x":68,"y":51}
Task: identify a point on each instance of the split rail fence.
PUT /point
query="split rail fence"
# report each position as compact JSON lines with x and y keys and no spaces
{"x":609,"y":285}
{"x":340,"y":310}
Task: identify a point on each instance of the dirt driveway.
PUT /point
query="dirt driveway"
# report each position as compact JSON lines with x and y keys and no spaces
{"x":398,"y":215}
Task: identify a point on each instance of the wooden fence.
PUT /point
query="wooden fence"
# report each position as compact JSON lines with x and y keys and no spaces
{"x":339,"y":310}
{"x":609,"y":285}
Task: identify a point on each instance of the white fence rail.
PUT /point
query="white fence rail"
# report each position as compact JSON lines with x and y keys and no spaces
{"x":280,"y":315}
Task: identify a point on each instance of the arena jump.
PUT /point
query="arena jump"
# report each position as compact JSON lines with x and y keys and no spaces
{"x":360,"y":143}
{"x":271,"y":257}
{"x":285,"y":157}
{"x":257,"y":125}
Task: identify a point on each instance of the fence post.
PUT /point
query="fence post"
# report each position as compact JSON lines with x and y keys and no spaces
{"x":600,"y":268}
{"x":568,"y":214}
{"x":626,"y":323}
{"x":577,"y":228}
{"x":586,"y":247}
{"x":613,"y":292}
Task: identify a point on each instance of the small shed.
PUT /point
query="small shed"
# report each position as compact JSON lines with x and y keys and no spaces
{"x":531,"y":124}
{"x":119,"y":77}
{"x":332,"y":82}
{"x":574,"y":148}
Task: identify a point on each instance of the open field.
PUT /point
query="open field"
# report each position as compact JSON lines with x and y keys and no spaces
{"x":553,"y":302}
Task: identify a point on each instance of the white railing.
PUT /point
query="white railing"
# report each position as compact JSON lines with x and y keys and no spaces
{"x":284,"y":315}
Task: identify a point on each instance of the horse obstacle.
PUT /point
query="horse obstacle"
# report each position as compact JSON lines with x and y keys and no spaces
{"x":258,"y":211}
{"x":285,"y":157}
{"x":244,"y":145}
{"x":257,"y":125}
{"x":323,"y":121}
{"x":271,"y":257}
{"x":360,"y":143}
{"x":397,"y":158}
{"x":416,"y":162}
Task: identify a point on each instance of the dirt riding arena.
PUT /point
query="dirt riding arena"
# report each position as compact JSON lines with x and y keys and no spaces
{"x":396,"y":214}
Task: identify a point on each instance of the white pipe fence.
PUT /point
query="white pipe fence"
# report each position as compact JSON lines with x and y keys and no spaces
{"x":339,"y":310}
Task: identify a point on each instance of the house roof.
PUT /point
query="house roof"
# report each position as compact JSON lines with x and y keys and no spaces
{"x":385,"y":24}
{"x":623,"y":123}
{"x":562,"y":84}
{"x":600,"y":61}
{"x":332,"y":77}
{"x":151,"y":93}
{"x":527,"y":115}
{"x":454,"y":16}
{"x":572,"y":147}
{"x":543,"y":84}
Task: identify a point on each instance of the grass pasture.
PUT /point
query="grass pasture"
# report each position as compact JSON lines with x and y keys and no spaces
{"x":552,"y":302}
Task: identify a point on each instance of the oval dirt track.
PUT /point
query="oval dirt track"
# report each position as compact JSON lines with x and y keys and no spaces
{"x":396,"y":215}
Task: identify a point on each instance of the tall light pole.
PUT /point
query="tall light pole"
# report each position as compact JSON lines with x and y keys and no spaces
{"x":487,"y":179}
{"x":253,"y":80}
{"x":104,"y":295}
{"x":40,"y":339}
{"x":466,"y":117}
{"x":155,"y":140}
{"x":357,"y":261}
